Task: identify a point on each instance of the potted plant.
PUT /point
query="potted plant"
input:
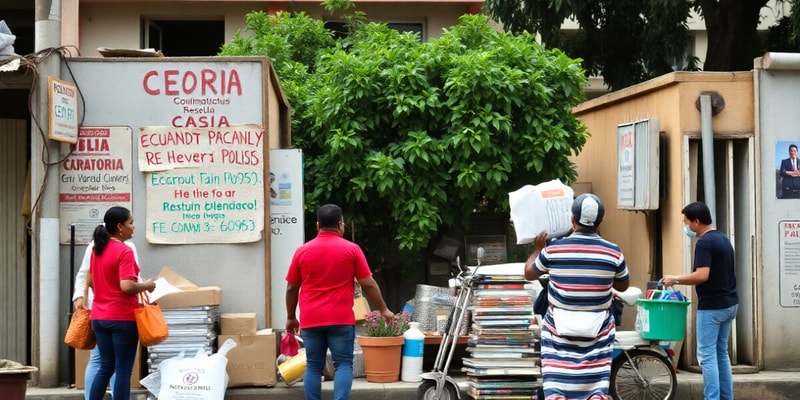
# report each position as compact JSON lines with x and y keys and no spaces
{"x":14,"y":379}
{"x":382,"y":344}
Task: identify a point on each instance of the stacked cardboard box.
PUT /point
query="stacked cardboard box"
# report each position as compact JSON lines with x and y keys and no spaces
{"x":252,"y":361}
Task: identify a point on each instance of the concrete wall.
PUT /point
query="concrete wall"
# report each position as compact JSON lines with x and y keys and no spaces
{"x":90,"y":25}
{"x":119,"y":25}
{"x":670,"y":98}
{"x":777,"y":117}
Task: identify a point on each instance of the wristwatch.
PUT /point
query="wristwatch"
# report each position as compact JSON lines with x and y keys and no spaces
{"x":677,"y":281}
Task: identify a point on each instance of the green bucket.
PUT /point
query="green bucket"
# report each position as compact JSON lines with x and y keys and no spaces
{"x":662,"y":319}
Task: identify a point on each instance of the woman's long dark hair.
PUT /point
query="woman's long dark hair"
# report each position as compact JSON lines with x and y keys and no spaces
{"x":102,"y":234}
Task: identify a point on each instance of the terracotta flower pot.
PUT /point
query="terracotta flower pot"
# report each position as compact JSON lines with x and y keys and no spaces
{"x":382,"y":357}
{"x":14,"y":382}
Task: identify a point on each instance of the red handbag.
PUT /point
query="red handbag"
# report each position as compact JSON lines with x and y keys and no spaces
{"x":150,"y":322}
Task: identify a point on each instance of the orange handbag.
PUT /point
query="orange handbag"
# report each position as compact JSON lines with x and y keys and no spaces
{"x":150,"y":322}
{"x":79,"y":333}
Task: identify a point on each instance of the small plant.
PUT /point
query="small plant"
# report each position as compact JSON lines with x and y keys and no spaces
{"x":377,"y":327}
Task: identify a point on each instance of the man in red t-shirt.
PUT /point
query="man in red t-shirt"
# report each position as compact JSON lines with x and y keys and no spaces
{"x":321,"y":278}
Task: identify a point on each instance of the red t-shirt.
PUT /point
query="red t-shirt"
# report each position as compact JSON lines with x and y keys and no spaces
{"x":108,"y":269}
{"x":324,"y":269}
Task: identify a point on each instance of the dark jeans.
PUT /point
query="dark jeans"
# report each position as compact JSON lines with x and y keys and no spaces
{"x":318,"y":340}
{"x":117,"y":342}
{"x":789,"y":193}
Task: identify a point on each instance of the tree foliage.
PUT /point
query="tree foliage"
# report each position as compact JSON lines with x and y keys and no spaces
{"x":411,"y":138}
{"x":628,"y":41}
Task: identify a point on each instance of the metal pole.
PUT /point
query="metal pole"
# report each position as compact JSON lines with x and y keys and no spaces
{"x":46,"y":343}
{"x":708,"y":155}
{"x":71,"y":351}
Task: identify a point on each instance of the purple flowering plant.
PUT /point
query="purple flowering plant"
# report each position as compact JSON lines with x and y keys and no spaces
{"x":377,"y":326}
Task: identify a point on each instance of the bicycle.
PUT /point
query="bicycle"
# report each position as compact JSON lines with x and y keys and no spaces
{"x":640,"y":368}
{"x":436,"y":384}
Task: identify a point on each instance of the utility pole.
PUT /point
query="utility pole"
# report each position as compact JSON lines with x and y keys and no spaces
{"x":45,"y":343}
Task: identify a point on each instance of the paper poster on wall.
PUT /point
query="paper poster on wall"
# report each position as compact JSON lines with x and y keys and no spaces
{"x":204,"y":185}
{"x":789,"y":256}
{"x":625,"y":165}
{"x":787,"y":170}
{"x":286,"y":224}
{"x":95,"y":177}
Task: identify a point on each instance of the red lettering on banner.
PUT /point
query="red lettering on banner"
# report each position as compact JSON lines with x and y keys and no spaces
{"x":203,"y":121}
{"x":208,"y":82}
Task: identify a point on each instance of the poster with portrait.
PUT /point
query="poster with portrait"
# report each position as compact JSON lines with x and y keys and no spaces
{"x":787,"y":170}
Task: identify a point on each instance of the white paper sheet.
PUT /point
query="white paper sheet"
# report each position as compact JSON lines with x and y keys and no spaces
{"x":163,"y":288}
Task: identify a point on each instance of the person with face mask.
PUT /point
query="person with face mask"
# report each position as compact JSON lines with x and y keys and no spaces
{"x":714,"y":278}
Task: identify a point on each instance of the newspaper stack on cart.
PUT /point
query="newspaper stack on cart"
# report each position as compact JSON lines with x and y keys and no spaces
{"x":503,"y":347}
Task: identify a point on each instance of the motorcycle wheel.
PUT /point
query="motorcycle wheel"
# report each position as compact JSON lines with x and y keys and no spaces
{"x":427,"y":391}
{"x":657,"y":381}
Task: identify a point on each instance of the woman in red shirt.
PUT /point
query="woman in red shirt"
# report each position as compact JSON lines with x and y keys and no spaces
{"x":114,"y":280}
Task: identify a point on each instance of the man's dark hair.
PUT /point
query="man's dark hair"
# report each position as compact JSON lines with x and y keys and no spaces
{"x":328,"y":216}
{"x":698,"y":211}
{"x":792,"y":145}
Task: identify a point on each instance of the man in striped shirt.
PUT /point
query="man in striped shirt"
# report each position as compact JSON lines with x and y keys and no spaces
{"x":577,"y":334}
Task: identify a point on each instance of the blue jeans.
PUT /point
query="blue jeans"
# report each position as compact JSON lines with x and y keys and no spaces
{"x":91,"y":370}
{"x":713,"y":331}
{"x":116,"y":342}
{"x":339,"y":339}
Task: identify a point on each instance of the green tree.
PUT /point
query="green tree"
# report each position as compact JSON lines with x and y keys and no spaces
{"x":411,"y":138}
{"x":628,"y":41}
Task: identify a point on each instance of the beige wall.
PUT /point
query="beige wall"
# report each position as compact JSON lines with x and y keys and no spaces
{"x":670,"y":98}
{"x":118,"y":24}
{"x":434,"y":17}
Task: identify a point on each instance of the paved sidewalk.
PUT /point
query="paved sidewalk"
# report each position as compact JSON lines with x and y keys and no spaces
{"x":765,"y":385}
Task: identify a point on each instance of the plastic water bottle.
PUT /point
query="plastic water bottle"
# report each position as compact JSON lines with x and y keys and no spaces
{"x":412,"y":353}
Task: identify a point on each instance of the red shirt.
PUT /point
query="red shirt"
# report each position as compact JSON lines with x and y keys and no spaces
{"x":324,"y":269}
{"x":108,"y":269}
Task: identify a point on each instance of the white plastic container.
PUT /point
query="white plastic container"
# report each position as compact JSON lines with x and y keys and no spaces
{"x":413,"y":346}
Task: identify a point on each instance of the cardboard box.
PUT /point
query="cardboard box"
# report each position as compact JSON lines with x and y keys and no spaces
{"x":237,"y":324}
{"x":190,"y":295}
{"x":252,"y":362}
{"x":82,"y":358}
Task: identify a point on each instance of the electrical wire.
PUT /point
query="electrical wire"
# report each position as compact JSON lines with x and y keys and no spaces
{"x":30,"y":63}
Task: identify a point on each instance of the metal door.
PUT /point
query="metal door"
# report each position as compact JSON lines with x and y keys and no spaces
{"x":14,"y":277}
{"x":734,"y":173}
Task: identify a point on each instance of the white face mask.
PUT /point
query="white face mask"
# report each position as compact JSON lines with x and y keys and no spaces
{"x":688,"y":232}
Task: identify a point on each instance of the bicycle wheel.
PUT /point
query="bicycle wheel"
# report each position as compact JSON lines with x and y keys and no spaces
{"x":645,"y":376}
{"x":427,"y":390}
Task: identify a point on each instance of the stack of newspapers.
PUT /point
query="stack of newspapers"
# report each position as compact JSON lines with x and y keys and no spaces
{"x":503,"y":347}
{"x":190,"y":329}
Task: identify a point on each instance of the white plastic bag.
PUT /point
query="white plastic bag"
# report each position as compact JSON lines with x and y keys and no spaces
{"x":201,"y":377}
{"x":545,"y":207}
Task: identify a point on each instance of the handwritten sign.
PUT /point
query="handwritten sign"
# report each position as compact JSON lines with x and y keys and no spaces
{"x":204,"y":185}
{"x":96,"y":176}
{"x":63,"y":110}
